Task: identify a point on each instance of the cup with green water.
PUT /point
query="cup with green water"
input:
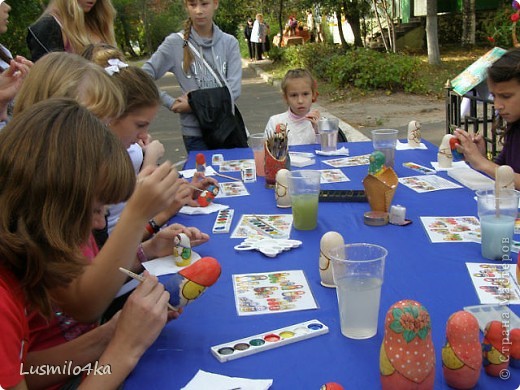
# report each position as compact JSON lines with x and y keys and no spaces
{"x":497,"y":214}
{"x":304,"y":187}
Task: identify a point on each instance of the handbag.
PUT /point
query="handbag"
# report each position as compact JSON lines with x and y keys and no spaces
{"x":219,"y":119}
{"x":221,"y":129}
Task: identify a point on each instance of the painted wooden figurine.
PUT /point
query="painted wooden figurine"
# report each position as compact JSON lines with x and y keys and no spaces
{"x":377,"y":163}
{"x":328,"y":241}
{"x":332,"y":386}
{"x":514,"y":339}
{"x":444,"y":156}
{"x":462,"y":353}
{"x":495,"y":355}
{"x":200,"y":163}
{"x":182,"y":250}
{"x":414,"y":134}
{"x":281,"y":193}
{"x":407,"y":356}
{"x":190,"y":282}
{"x":457,"y":156}
{"x":207,"y":196}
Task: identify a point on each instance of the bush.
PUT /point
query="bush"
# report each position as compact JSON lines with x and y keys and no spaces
{"x":368,"y":69}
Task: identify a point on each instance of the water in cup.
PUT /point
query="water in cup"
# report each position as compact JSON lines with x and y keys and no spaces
{"x":358,"y":271}
{"x":388,"y":149}
{"x":497,"y":236}
{"x":358,"y":300}
{"x":305,"y":211}
{"x":329,"y":141}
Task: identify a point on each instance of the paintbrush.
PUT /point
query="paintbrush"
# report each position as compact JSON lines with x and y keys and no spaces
{"x":227,"y":177}
{"x":139,"y":278}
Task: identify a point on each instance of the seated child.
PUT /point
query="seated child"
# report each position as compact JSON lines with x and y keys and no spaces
{"x":299,"y":91}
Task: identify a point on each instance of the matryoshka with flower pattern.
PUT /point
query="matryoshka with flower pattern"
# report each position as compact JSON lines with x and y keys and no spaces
{"x":407,"y":356}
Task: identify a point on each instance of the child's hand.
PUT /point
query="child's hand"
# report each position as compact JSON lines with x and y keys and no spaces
{"x":181,"y":105}
{"x":314,"y":116}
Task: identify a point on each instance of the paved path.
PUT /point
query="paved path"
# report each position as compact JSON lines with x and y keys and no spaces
{"x":260,"y":99}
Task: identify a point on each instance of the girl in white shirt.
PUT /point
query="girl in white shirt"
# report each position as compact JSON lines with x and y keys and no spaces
{"x":299,"y":91}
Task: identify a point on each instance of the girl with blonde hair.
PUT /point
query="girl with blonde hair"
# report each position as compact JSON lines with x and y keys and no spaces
{"x":70,"y":25}
{"x":58,"y":163}
{"x":202,"y":57}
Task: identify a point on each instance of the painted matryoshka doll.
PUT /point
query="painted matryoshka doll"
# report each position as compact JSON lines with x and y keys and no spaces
{"x":495,"y":355}
{"x":414,"y":134}
{"x":182,"y":250}
{"x":190,"y":282}
{"x":200,"y":162}
{"x":407,"y":356}
{"x":444,"y":156}
{"x":328,"y":241}
{"x":281,"y":189}
{"x":462,"y":353}
{"x":377,"y":163}
{"x":207,"y":196}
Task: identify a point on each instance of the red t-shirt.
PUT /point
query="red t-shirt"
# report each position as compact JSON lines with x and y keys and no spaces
{"x":47,"y":333}
{"x":14,"y":329}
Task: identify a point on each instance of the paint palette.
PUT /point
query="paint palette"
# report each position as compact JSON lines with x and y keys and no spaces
{"x":269,"y":340}
{"x":487,"y":313}
{"x":268,"y":246}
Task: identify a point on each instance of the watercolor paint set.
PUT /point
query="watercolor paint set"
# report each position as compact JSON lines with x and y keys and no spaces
{"x":268,"y":340}
{"x":223,"y":221}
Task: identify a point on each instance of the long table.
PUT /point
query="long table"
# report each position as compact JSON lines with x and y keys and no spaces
{"x":433,"y":274}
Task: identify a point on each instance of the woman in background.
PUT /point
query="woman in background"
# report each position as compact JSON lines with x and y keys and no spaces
{"x":70,"y":25}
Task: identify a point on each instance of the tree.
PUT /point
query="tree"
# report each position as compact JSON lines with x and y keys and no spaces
{"x":468,"y":22}
{"x":432,"y":37}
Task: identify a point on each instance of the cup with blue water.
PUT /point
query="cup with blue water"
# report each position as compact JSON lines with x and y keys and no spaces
{"x":497,"y":213}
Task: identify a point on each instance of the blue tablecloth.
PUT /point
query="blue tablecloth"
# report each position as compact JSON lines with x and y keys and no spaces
{"x":433,"y":274}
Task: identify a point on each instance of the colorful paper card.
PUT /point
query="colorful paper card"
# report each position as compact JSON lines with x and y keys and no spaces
{"x":427,"y":183}
{"x":452,"y":229}
{"x":332,"y":176}
{"x":353,"y":161}
{"x":474,"y":74}
{"x":273,"y":292}
{"x":234,"y":188}
{"x":495,"y":283}
{"x":235,"y":165}
{"x":264,"y":225}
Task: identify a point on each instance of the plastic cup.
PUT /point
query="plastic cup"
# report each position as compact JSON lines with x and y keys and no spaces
{"x":385,"y":140}
{"x":256,"y":142}
{"x":497,"y":216}
{"x":328,"y":134}
{"x":358,"y":275}
{"x":304,"y":188}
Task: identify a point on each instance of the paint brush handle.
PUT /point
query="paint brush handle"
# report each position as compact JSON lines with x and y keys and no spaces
{"x":139,"y":278}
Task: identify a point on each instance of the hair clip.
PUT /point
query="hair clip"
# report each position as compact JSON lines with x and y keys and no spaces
{"x":115,"y":65}
{"x":185,"y":43}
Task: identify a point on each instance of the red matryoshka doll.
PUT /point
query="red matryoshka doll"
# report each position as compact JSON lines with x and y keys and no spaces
{"x":407,"y":356}
{"x":462,"y":353}
{"x":207,"y":196}
{"x":495,"y":353}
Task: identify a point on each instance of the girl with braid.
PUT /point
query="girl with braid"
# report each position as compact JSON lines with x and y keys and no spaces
{"x":188,"y":54}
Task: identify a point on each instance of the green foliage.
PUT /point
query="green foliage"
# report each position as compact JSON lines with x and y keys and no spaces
{"x":23,"y":13}
{"x":496,"y":29}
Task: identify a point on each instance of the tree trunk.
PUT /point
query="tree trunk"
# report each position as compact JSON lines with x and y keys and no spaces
{"x":432,"y":37}
{"x":353,"y":18}
{"x":379,"y":24}
{"x":280,"y":23}
{"x":468,"y":22}
{"x":340,"y":26}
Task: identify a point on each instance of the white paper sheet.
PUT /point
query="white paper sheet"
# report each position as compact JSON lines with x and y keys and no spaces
{"x":207,"y":380}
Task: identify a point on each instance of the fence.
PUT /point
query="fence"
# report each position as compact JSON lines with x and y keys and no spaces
{"x":475,"y":115}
